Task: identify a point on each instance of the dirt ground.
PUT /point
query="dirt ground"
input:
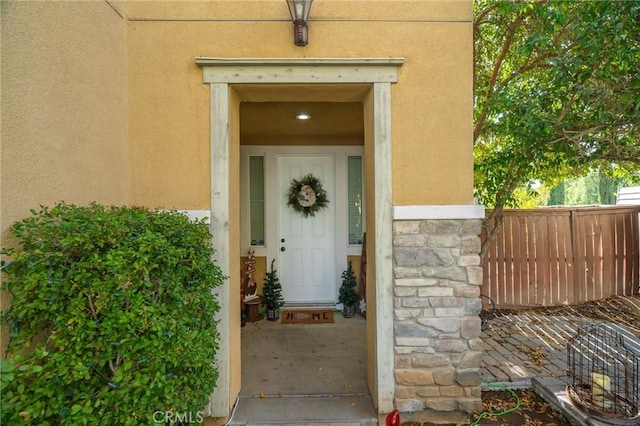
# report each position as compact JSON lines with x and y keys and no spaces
{"x":532,"y":411}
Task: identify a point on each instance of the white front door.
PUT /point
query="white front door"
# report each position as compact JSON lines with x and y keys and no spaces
{"x":306,"y":261}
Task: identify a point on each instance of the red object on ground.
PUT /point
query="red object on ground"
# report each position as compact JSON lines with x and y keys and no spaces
{"x":393,"y":419}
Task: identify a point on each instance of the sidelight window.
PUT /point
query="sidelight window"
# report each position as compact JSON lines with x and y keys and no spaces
{"x":354,"y":198}
{"x":256,"y":199}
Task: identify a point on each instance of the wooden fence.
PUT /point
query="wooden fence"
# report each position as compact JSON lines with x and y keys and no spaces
{"x":556,"y":256}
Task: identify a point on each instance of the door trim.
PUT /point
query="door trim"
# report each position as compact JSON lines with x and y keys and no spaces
{"x":379,"y":73}
{"x":318,"y":285}
{"x":271,"y":154}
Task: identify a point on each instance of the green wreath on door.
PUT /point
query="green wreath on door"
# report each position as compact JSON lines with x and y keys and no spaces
{"x":306,"y":196}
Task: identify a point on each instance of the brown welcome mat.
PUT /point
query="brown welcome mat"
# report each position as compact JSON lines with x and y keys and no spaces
{"x":306,"y":316}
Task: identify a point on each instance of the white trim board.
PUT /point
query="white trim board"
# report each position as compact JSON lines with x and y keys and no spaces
{"x":470,"y":211}
{"x":299,"y":70}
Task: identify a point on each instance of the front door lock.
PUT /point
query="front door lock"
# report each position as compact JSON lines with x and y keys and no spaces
{"x":282,"y":249}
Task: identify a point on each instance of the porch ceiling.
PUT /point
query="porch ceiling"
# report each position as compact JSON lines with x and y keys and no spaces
{"x":268,"y":114}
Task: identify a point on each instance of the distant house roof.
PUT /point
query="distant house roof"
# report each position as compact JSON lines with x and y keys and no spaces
{"x":629,"y":195}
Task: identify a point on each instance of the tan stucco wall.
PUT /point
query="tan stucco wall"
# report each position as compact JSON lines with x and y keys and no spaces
{"x":64,"y":110}
{"x":102,"y":107}
{"x":432,"y":102}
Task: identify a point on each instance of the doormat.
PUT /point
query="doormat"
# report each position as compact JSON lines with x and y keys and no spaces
{"x":306,"y":316}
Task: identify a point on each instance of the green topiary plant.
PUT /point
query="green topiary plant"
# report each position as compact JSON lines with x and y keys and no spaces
{"x":347,"y":294}
{"x":112,"y":320}
{"x":272,"y":298}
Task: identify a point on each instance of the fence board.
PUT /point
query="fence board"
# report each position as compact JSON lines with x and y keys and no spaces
{"x":542,"y":260}
{"x":508,"y":265}
{"x":559,"y":256}
{"x":609,"y":259}
{"x":568,"y":260}
{"x":621,"y":285}
{"x":531,"y":260}
{"x":598,"y":260}
{"x":501,"y":266}
{"x":634,"y":267}
{"x":565,"y":264}
{"x":587,"y":228}
{"x":519,"y":268}
{"x":630,"y":250}
{"x":490,"y":267}
{"x":552,"y":244}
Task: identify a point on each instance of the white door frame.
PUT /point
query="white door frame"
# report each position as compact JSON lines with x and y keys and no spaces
{"x":220,"y":73}
{"x":270,"y":154}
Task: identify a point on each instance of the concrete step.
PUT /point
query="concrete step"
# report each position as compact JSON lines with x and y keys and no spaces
{"x":307,"y":410}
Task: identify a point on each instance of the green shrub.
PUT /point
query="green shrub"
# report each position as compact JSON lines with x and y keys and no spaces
{"x":112,"y":317}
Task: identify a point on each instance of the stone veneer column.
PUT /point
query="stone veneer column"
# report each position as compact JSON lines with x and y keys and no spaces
{"x":437,"y":344}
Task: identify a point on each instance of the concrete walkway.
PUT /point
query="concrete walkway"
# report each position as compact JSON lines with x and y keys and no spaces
{"x":312,"y":374}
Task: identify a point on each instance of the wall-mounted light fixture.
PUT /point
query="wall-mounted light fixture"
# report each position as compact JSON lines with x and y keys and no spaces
{"x":299,"y":10}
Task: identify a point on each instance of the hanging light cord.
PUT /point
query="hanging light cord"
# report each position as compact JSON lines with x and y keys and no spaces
{"x":501,"y":413}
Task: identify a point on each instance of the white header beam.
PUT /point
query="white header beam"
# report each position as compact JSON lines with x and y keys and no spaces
{"x":302,"y":70}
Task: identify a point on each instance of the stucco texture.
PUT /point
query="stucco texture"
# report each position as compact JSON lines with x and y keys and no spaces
{"x":431,"y":107}
{"x":64,"y":109}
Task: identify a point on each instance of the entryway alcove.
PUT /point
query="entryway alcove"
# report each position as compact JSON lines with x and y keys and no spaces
{"x":233,"y":81}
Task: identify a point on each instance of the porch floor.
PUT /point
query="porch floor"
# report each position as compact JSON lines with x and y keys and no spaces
{"x":312,"y":374}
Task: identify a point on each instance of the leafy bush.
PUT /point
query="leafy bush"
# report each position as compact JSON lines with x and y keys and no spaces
{"x":112,"y":317}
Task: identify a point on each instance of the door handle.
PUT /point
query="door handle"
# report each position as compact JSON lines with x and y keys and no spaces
{"x":282,"y":249}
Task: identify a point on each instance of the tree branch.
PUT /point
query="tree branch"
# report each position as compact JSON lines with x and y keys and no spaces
{"x":92,"y":308}
{"x":494,"y":74}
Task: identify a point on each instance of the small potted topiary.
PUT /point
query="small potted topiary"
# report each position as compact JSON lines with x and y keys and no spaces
{"x":272,"y":298}
{"x":348,"y":296}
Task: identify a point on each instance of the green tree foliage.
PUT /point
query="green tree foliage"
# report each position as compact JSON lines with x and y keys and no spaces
{"x":607,"y":189}
{"x":598,"y":186}
{"x":557,"y":91}
{"x":112,"y":318}
{"x":556,"y":197}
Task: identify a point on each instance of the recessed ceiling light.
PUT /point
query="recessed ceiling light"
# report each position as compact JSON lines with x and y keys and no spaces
{"x":303,"y":116}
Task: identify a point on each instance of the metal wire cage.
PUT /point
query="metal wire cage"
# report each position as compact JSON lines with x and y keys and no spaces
{"x":603,"y":364}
